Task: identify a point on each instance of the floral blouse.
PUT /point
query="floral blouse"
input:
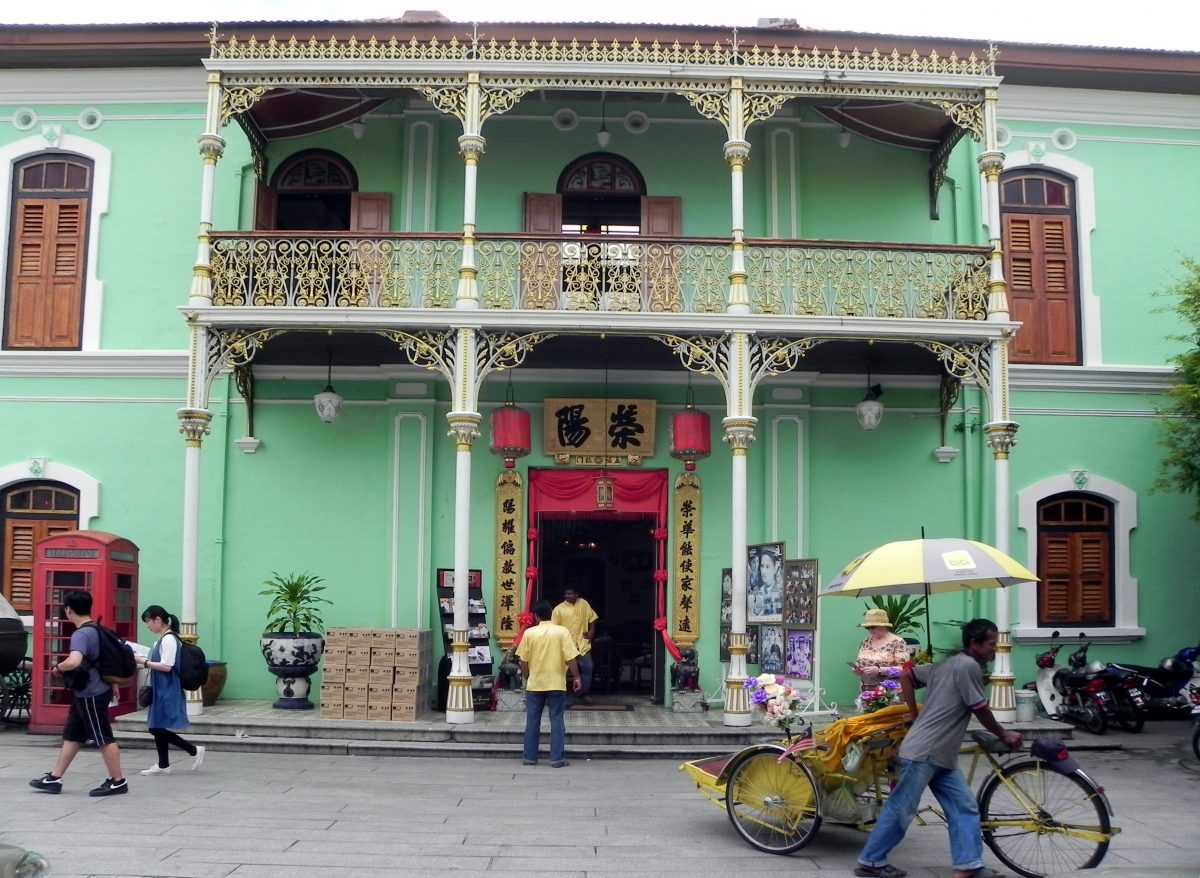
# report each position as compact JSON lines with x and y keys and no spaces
{"x":871,"y":658}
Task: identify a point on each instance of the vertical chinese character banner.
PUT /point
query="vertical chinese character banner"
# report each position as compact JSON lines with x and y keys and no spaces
{"x":510,"y":535}
{"x":687,"y":559}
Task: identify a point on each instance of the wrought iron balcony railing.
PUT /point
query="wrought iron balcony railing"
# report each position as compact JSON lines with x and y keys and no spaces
{"x":804,"y":278}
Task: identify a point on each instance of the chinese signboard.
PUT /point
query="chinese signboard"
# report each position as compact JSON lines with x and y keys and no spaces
{"x":510,"y":536}
{"x":687,"y":559}
{"x":599,"y":431}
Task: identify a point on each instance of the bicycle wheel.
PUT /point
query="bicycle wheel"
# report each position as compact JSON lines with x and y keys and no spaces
{"x":1040,"y":822}
{"x":773,"y":805}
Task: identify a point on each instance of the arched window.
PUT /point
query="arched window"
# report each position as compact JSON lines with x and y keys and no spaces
{"x":1038,"y":217}
{"x":317,"y":191}
{"x":601,"y":194}
{"x":1075,"y":560}
{"x":51,"y":197}
{"x":31,"y":511}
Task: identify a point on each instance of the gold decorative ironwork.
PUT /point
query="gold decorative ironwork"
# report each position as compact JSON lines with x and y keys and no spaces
{"x":496,"y":351}
{"x":964,"y":360}
{"x":497,"y":101}
{"x":966,"y":115}
{"x":687,"y":559}
{"x":633,"y":52}
{"x":228,"y":348}
{"x":434,"y":350}
{"x":510,"y":537}
{"x":451,"y":100}
{"x":710,"y":105}
{"x":237,"y":99}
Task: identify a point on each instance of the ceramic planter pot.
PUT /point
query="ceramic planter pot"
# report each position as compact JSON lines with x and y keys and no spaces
{"x":293,"y":658}
{"x":218,"y":673}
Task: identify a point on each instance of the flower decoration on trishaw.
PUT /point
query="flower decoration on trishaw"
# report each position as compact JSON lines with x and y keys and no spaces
{"x":779,"y":703}
{"x":883,"y":694}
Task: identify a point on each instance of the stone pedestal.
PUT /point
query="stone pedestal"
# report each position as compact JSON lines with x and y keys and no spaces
{"x":687,"y":701}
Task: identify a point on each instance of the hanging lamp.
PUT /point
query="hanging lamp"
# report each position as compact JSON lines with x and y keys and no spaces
{"x":510,"y":430}
{"x":328,"y":402}
{"x":691,"y":435}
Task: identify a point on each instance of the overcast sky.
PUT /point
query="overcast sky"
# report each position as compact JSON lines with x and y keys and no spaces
{"x":1151,"y":24}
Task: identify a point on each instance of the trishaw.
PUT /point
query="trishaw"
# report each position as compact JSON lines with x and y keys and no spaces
{"x":1039,"y":816}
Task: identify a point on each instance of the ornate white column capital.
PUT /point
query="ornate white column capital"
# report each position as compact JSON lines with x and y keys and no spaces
{"x":736,"y":152}
{"x":212,"y":146}
{"x":472,"y":146}
{"x":193,"y":424}
{"x":739,"y":433}
{"x":991,"y":163}
{"x":1000,"y":436}
{"x":464,"y":428}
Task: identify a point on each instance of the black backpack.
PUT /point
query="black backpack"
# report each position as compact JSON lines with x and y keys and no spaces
{"x":192,"y":665}
{"x":116,"y":662}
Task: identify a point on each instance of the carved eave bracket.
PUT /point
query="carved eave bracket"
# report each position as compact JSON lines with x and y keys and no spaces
{"x":965,"y":361}
{"x":709,"y":355}
{"x":237,"y":99}
{"x":939,"y":160}
{"x":231,"y":348}
{"x":438,"y":350}
{"x":243,"y":379}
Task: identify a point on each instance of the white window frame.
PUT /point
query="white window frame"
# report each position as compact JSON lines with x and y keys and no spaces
{"x":93,"y":288}
{"x":1125,"y":587}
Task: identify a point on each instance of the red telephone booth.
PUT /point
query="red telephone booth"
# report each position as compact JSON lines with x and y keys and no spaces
{"x":87,"y":560}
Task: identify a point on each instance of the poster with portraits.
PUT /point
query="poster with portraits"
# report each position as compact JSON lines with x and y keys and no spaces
{"x":800,"y":593}
{"x":770,"y":649}
{"x":726,"y":612}
{"x":764,"y":582}
{"x":751,"y":644}
{"x":798,"y":661}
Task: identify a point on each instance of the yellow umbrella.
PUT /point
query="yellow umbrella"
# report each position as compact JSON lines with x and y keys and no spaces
{"x":927,"y":566}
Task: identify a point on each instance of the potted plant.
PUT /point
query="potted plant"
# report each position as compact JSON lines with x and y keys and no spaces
{"x":292,"y":642}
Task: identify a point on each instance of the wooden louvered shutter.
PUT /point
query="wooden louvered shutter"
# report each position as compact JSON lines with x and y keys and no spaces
{"x":1039,"y":257}
{"x":20,"y":537}
{"x":1076,"y":579}
{"x":46,"y":280}
{"x":1054,"y":592}
{"x":1092,"y":587}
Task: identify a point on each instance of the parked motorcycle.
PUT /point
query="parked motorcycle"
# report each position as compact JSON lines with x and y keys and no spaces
{"x":1166,"y":686}
{"x":1072,"y":695}
{"x":1194,"y":691}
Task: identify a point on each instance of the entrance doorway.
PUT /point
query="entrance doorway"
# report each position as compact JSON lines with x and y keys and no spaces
{"x":608,"y":558}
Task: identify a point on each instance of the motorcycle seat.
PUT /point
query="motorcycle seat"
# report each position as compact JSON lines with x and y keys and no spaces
{"x":1161,"y":675}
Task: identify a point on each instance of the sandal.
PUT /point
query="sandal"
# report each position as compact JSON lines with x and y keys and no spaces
{"x":887,"y":870}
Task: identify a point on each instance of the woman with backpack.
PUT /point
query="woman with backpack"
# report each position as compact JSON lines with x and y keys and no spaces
{"x":168,"y":709}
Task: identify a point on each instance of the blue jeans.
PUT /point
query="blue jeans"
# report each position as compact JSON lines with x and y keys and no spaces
{"x":585,"y":673}
{"x":534,"y":703}
{"x":950,"y":788}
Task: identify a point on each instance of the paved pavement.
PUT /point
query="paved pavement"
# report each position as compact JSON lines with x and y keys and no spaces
{"x":260,"y":815}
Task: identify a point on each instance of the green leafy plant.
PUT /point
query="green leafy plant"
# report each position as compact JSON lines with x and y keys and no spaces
{"x":1179,"y":417}
{"x":905,"y":611}
{"x":295,"y":604}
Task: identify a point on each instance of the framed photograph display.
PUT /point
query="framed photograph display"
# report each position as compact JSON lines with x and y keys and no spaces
{"x":726,"y":612}
{"x":800,"y":593}
{"x":751,"y":644}
{"x":770,"y":649}
{"x":764,"y":582}
{"x":798,"y":661}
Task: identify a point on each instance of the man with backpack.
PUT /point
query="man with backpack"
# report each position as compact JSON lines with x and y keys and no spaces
{"x":87,"y":718}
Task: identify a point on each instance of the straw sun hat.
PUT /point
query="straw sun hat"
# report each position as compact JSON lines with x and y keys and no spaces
{"x":876,"y":619}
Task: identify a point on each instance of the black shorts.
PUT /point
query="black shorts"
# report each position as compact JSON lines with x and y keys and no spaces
{"x":87,"y":720}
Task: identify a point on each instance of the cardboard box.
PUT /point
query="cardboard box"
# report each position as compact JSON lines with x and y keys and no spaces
{"x":337,"y":637}
{"x":361,"y":636}
{"x":413,"y":657}
{"x":354,"y":711}
{"x":413,"y":638}
{"x":332,"y":692}
{"x":413,"y":675}
{"x":335,"y":674}
{"x":377,"y":712}
{"x":408,"y":713}
{"x":358,"y":657}
{"x":332,"y":710}
{"x":382,"y":676}
{"x":383,"y":637}
{"x":358,"y":676}
{"x":356,"y":693}
{"x":335,"y":655}
{"x":383,"y":657}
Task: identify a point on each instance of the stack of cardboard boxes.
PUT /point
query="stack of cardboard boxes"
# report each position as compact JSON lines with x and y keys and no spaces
{"x":376,"y":674}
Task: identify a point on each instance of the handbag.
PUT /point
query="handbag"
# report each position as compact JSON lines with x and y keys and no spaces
{"x":145,"y":696}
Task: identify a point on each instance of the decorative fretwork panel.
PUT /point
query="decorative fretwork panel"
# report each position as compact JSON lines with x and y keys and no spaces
{"x":598,"y":274}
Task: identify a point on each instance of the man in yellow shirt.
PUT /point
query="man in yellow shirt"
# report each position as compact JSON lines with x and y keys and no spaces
{"x":545,"y":653}
{"x":577,"y":616}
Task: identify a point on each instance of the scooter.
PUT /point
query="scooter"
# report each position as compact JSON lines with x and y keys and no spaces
{"x":1072,"y":695}
{"x":1166,"y":686}
{"x":1194,"y":691}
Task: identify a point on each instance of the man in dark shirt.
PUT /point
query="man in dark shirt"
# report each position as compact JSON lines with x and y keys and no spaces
{"x":929,"y":757}
{"x":87,"y":719}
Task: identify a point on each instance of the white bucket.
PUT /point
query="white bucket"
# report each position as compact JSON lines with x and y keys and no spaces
{"x":1026,"y":704}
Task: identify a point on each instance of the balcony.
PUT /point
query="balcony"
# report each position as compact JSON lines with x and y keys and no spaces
{"x":681,"y":276}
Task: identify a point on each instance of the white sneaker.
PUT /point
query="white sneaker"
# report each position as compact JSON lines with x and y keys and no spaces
{"x":154,"y":769}
{"x":198,"y":758}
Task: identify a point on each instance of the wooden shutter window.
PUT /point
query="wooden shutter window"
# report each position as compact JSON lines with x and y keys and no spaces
{"x":45,"y":284}
{"x":1075,"y":562}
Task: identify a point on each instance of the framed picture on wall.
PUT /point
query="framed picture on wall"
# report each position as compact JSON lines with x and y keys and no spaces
{"x":800,"y":593}
{"x":445,"y":578}
{"x":724,"y":656}
{"x":770,"y":649}
{"x":764,"y":582}
{"x":751,"y":644}
{"x":798,"y":661}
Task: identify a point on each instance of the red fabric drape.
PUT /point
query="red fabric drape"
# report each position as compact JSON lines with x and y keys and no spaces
{"x":552,"y":490}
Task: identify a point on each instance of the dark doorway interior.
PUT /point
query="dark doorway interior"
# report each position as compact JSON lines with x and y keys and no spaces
{"x":609,"y":560}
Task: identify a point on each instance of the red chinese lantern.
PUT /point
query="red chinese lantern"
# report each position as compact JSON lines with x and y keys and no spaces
{"x":510,"y":433}
{"x":690,"y":436}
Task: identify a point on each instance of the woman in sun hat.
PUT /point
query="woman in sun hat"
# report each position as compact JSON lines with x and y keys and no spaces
{"x":880,"y":649}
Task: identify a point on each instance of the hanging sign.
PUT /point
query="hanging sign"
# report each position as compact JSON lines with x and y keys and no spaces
{"x":687,"y":559}
{"x":510,"y":533}
{"x":599,"y":432}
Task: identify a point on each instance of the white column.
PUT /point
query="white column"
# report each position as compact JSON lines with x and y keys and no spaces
{"x":193,"y":424}
{"x":464,"y":429}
